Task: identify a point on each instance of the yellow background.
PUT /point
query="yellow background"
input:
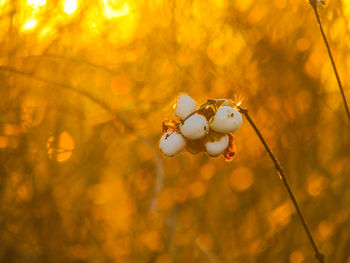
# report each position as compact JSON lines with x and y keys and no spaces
{"x":84,"y":87}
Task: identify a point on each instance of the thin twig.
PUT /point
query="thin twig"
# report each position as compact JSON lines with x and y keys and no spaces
{"x":313,"y":3}
{"x":318,"y":255}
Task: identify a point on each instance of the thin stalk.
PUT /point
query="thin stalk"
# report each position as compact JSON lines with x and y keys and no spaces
{"x":313,"y":3}
{"x":318,"y":255}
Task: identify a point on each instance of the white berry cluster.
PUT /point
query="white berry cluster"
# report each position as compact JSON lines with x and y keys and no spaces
{"x":207,"y":128}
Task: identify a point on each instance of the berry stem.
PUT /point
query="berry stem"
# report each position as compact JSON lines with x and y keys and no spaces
{"x":209,"y":102}
{"x":318,"y":255}
{"x":313,"y":4}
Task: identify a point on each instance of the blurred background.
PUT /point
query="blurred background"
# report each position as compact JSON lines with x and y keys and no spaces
{"x":84,"y":87}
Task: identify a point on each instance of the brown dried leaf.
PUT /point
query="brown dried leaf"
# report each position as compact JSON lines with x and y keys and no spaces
{"x":231,"y":150}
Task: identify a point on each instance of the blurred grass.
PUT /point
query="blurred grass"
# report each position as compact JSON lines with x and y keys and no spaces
{"x":76,"y":186}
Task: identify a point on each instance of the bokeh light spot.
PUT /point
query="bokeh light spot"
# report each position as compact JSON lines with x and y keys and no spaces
{"x":116,"y":8}
{"x":60,"y":149}
{"x":70,"y":6}
{"x":4,"y":142}
{"x":296,"y":257}
{"x":241,"y":178}
{"x":181,"y":194}
{"x":316,"y":184}
{"x":36,"y":3}
{"x":207,"y":171}
{"x":281,"y":214}
{"x":325,"y":229}
{"x":23,"y":192}
{"x":30,"y":24}
{"x":197,"y":189}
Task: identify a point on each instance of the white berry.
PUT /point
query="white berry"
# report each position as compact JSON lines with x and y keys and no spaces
{"x":172,"y":143}
{"x":184,"y":106}
{"x":218,"y":146}
{"x":195,"y":127}
{"x":226,"y":120}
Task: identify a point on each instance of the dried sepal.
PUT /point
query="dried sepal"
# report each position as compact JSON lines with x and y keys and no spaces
{"x":194,"y":146}
{"x":169,"y":125}
{"x":231,"y":150}
{"x":207,"y":111}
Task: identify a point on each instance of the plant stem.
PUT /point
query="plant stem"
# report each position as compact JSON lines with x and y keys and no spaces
{"x":313,"y":3}
{"x":318,"y":255}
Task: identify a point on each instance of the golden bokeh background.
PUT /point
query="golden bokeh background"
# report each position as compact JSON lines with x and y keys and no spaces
{"x":84,"y":87}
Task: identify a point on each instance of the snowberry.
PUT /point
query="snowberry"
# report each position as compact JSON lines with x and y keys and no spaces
{"x":172,"y":143}
{"x":195,"y":127}
{"x":226,"y":120}
{"x":217,"y":145}
{"x":184,"y":106}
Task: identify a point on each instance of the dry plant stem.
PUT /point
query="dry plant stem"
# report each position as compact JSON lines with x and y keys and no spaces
{"x":313,"y":3}
{"x":318,"y":255}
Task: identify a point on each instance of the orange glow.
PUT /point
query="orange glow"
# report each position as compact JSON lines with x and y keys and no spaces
{"x":152,"y":240}
{"x":280,"y":3}
{"x":303,"y":44}
{"x":121,"y":85}
{"x":181,"y":194}
{"x":197,"y":189}
{"x":23,"y":192}
{"x":4,"y":142}
{"x":296,"y":257}
{"x":10,"y":129}
{"x":166,"y":199}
